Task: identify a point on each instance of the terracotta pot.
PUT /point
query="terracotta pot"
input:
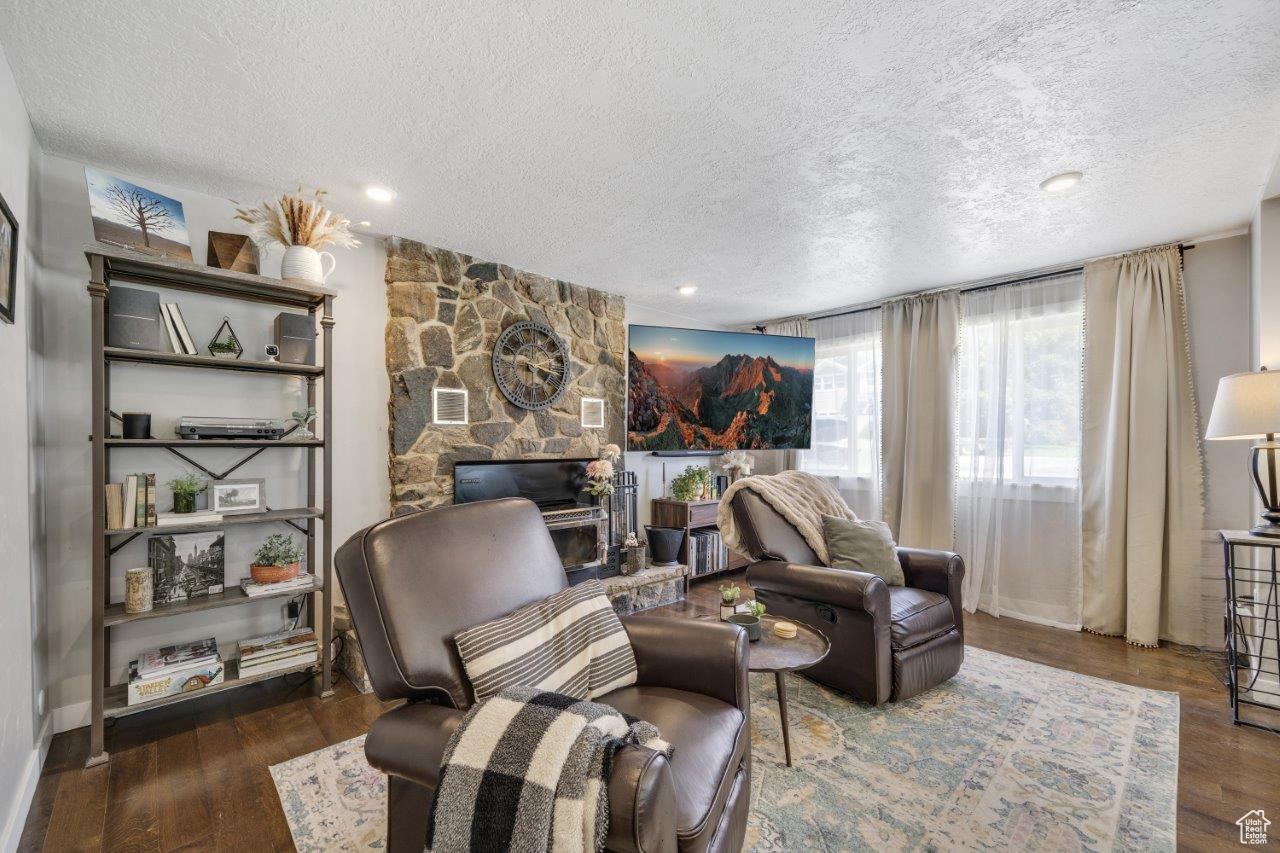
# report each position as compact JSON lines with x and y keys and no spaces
{"x":274,"y":574}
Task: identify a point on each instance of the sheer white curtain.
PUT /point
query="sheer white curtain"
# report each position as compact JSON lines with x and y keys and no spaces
{"x":846,"y":408}
{"x":1017,"y":520}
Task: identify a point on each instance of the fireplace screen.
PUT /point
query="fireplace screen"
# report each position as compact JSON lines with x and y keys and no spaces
{"x":579,"y":545}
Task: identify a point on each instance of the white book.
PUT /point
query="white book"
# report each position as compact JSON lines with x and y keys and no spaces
{"x":130,"y":502}
{"x":311,"y":657}
{"x":170,"y":519}
{"x":302,"y":582}
{"x":176,"y":313}
{"x":170,"y":330}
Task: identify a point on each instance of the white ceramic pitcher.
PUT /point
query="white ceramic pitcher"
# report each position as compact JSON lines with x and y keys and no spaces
{"x":305,"y":265}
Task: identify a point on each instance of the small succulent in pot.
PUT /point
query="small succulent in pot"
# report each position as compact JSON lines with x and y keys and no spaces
{"x":755,"y":608}
{"x":729,"y":594}
{"x":185,"y":489}
{"x":277,"y":559}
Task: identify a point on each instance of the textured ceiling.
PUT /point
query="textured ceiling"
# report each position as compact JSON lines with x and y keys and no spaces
{"x":783,"y":157}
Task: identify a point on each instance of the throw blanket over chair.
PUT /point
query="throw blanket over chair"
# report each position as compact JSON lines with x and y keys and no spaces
{"x":887,"y":642}
{"x":412,"y":583}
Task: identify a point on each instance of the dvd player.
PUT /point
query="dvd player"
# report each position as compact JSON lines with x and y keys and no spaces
{"x":196,"y":428}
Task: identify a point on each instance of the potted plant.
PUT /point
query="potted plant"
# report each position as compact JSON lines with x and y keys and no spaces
{"x":750,"y":620}
{"x":691,"y":484}
{"x":303,"y":418}
{"x":277,"y":559}
{"x":185,"y":489}
{"x":728,"y":600}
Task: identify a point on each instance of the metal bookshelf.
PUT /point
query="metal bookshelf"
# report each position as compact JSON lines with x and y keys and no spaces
{"x":109,"y":264}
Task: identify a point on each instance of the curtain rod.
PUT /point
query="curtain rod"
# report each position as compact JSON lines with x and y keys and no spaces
{"x":984,"y":284}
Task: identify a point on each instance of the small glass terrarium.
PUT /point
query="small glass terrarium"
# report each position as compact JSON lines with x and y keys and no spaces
{"x":225,"y":343}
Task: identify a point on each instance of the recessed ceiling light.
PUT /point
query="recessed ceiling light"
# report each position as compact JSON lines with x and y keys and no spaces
{"x":687,"y":289}
{"x":378,"y":193}
{"x":1058,"y":183}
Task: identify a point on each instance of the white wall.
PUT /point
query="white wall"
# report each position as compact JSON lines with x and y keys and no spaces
{"x":359,"y":431}
{"x":23,"y":735}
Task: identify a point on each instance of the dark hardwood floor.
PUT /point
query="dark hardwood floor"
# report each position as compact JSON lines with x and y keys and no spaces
{"x":194,"y":776}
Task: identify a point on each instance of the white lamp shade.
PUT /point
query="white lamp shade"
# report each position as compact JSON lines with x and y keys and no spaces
{"x":1247,"y":406}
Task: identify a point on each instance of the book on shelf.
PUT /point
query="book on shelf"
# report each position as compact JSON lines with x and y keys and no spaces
{"x":185,"y":679}
{"x":295,"y":639}
{"x":130,"y":503}
{"x":151,"y":501}
{"x":140,"y":500}
{"x":301,"y":583}
{"x":165,"y":659}
{"x":204,"y":516}
{"x":114,"y":493}
{"x":261,"y":667}
{"x":171,"y":331}
{"x":188,"y":345}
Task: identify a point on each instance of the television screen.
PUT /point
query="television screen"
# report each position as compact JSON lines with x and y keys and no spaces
{"x":700,"y":390}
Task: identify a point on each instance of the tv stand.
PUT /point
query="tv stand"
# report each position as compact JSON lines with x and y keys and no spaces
{"x":692,"y":516}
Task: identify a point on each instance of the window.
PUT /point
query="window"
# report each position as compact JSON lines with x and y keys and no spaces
{"x":1019,"y":390}
{"x":846,"y":408}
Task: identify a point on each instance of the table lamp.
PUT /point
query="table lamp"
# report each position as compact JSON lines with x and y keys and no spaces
{"x":1248,"y":406}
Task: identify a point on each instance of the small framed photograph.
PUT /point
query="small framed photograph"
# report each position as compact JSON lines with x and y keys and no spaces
{"x":8,"y":261}
{"x":234,"y":497}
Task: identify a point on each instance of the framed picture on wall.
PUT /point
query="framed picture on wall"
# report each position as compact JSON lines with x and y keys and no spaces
{"x":233,"y":497}
{"x":8,"y":261}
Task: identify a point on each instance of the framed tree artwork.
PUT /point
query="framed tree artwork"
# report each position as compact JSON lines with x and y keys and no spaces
{"x":133,"y":217}
{"x":8,"y":261}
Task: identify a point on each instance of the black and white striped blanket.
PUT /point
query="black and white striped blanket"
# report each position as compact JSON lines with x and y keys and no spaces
{"x":527,"y":771}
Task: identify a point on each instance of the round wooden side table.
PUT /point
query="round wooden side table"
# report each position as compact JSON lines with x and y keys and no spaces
{"x":779,"y":656}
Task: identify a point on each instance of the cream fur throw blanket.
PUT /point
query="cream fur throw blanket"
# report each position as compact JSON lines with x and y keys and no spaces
{"x":799,"y":497}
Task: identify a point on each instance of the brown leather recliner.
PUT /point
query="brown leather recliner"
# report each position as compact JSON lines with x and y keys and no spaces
{"x":412,"y":583}
{"x":887,"y":642}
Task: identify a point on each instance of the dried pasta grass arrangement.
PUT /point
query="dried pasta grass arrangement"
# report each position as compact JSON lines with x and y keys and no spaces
{"x":302,"y":224}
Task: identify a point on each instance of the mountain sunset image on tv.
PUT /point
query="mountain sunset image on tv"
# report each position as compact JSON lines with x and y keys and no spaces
{"x":702,"y":390}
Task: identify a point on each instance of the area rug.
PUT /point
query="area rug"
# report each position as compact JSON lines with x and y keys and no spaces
{"x":1007,"y":755}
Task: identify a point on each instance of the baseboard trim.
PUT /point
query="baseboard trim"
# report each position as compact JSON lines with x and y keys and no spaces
{"x":68,"y":717}
{"x":16,"y":821}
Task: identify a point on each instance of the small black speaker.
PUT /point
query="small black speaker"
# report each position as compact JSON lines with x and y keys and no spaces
{"x":296,"y":337}
{"x":134,"y":321}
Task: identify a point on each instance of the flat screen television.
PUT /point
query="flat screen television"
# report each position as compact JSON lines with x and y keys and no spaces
{"x":691,"y":390}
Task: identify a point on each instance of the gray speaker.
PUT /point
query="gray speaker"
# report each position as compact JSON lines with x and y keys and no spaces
{"x":296,"y":337}
{"x":134,"y":321}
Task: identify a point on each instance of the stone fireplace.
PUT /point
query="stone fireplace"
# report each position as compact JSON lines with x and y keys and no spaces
{"x":445,"y":311}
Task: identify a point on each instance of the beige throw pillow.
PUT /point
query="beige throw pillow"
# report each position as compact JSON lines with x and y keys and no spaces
{"x":866,"y":546}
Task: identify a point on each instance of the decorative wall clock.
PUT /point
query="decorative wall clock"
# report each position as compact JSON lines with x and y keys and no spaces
{"x":531,"y":365}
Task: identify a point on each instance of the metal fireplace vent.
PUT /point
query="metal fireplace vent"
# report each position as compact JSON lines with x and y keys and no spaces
{"x":449,"y":406}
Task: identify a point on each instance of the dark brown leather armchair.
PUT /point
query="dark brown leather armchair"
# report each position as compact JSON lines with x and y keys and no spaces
{"x":887,"y":642}
{"x":412,"y":583}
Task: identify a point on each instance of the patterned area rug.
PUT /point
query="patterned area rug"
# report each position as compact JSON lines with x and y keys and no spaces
{"x":1007,"y":755}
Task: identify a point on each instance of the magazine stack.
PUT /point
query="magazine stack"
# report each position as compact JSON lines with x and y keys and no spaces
{"x":170,"y":670}
{"x":278,"y":652}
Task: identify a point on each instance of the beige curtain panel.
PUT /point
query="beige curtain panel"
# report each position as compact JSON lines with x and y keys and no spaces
{"x":1141,"y":473}
{"x":917,"y":426}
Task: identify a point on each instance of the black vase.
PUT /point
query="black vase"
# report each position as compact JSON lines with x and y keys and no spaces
{"x":664,"y":545}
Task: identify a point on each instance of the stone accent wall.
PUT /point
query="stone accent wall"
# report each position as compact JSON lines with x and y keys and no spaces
{"x":446,"y":310}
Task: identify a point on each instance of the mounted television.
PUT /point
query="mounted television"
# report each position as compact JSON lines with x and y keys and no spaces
{"x":697,"y":390}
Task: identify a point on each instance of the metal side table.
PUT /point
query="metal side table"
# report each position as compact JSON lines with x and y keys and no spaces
{"x":1251,"y":566}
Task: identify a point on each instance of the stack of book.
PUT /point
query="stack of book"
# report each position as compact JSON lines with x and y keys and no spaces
{"x":176,"y":328}
{"x":301,"y":583}
{"x":707,"y":552}
{"x":278,"y":652}
{"x":202,"y":516}
{"x":170,"y":670}
{"x":132,"y":503}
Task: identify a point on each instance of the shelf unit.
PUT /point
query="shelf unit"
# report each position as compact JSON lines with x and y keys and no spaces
{"x":692,"y":516}
{"x":110,"y":264}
